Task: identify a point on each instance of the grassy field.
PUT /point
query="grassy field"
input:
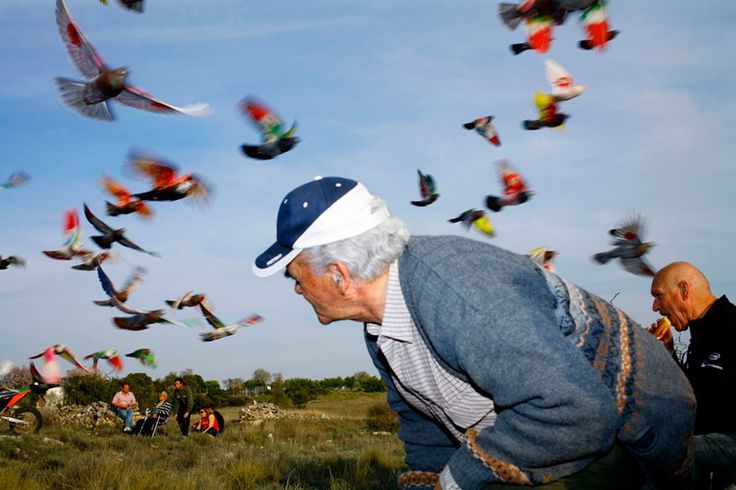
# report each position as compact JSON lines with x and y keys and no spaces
{"x":333,"y":450}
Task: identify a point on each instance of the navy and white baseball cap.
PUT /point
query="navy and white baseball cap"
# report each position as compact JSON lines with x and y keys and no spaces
{"x":322,"y":211}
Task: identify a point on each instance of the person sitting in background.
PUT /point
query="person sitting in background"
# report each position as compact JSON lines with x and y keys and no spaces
{"x":159,"y":412}
{"x":218,"y":418}
{"x":124,"y":403}
{"x":207,"y":422}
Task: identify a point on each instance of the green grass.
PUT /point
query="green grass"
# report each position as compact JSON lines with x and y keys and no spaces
{"x":336,"y":452}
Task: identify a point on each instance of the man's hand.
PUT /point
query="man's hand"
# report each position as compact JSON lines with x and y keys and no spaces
{"x":186,"y":415}
{"x":663,"y":331}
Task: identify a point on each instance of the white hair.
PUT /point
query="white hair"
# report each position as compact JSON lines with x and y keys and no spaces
{"x":366,"y":255}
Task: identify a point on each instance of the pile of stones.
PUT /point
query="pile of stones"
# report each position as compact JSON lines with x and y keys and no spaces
{"x":90,"y":416}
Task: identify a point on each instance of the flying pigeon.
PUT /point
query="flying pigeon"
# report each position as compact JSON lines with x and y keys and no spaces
{"x":91,"y":98}
{"x":562,"y":88}
{"x":275,"y":140}
{"x":110,"y":355}
{"x":542,"y":15}
{"x":42,"y":383}
{"x":92,"y":261}
{"x":134,"y":5}
{"x":483,"y":127}
{"x":515,"y":190}
{"x":110,"y":235}
{"x":477,"y":218}
{"x":146,"y":356}
{"x":562,"y":83}
{"x":548,"y":115}
{"x":427,"y":189}
{"x":543,"y":257}
{"x":139,"y":320}
{"x":50,"y":354}
{"x":131,"y":284}
{"x":125,"y":202}
{"x":16,"y":179}
{"x":168,"y":185}
{"x":186,"y":300}
{"x":220,"y":329}
{"x":72,"y":232}
{"x":629,"y":247}
{"x":11,"y":260}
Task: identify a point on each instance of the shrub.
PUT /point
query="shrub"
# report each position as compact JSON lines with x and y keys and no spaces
{"x":84,"y":388}
{"x":381,"y":418}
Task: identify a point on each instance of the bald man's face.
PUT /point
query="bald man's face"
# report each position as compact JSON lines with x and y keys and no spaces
{"x":669,"y":301}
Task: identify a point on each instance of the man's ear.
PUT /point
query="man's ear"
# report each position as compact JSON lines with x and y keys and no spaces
{"x":340,"y":276}
{"x":684,"y":288}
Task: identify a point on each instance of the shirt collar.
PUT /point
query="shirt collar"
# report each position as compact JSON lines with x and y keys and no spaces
{"x":397,"y":323}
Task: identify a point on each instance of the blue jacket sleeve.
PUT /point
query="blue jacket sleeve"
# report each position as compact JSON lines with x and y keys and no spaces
{"x":554,"y":415}
{"x":428,"y":447}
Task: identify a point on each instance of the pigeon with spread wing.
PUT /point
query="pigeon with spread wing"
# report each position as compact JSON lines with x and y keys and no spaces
{"x":276,"y":139}
{"x":72,"y":231}
{"x":14,"y":260}
{"x":515,"y":190}
{"x":110,"y":355}
{"x":110,"y":235}
{"x":125,"y":203}
{"x":62,"y":351}
{"x":131,"y":284}
{"x":485,"y":128}
{"x":91,"y":98}
{"x":476,"y":218}
{"x":186,"y":300}
{"x":16,"y":179}
{"x":427,"y":189}
{"x":138,"y":319}
{"x":168,"y":184}
{"x":629,"y":247}
{"x":146,"y":356}
{"x":543,"y":257}
{"x":220,"y":329}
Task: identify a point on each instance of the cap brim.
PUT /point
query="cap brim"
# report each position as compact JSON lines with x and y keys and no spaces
{"x":275,"y":258}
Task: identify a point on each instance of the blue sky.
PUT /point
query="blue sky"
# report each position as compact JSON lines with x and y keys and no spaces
{"x":379,"y":90}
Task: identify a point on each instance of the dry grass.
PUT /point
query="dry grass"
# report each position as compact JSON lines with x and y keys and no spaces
{"x":334,"y":452}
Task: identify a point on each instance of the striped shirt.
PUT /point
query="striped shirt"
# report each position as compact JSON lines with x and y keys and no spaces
{"x":419,"y":378}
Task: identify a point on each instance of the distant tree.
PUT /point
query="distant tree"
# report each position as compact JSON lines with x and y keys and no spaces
{"x":332,"y":383}
{"x":82,"y":388}
{"x":215,"y":394}
{"x":278,"y":396}
{"x":18,"y":377}
{"x":234,"y":386}
{"x":366,"y":382}
{"x":262,"y":376}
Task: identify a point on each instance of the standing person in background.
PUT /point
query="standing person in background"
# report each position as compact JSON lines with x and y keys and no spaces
{"x":184,"y":403}
{"x":124,"y":403}
{"x":682,"y":294}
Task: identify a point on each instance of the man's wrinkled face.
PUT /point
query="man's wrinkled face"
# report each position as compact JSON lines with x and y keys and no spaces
{"x":319,"y":290}
{"x":669,"y":302}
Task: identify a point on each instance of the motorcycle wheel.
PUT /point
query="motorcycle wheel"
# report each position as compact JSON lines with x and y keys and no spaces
{"x":32,"y":421}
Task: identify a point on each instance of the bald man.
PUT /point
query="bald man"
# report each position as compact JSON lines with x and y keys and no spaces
{"x":682,"y":294}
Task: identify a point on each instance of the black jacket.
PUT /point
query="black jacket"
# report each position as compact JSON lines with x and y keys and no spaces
{"x":711,"y":367}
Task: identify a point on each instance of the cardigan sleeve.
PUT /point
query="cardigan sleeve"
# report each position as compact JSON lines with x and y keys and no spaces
{"x":426,"y":444}
{"x":555,"y":416}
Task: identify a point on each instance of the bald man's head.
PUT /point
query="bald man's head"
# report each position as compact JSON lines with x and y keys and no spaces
{"x":681,"y":293}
